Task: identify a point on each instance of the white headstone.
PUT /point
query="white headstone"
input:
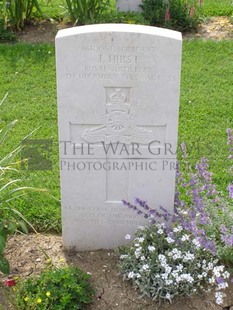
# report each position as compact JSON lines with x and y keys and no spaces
{"x":118,"y":99}
{"x":129,"y":5}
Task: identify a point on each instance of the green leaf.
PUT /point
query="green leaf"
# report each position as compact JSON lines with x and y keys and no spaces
{"x":4,"y":265}
{"x":11,"y":228}
{"x":2,"y":243}
{"x":23,"y":227}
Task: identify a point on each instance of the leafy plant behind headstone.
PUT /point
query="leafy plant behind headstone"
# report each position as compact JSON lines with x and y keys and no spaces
{"x":176,"y":14}
{"x":16,"y":13}
{"x":84,"y":12}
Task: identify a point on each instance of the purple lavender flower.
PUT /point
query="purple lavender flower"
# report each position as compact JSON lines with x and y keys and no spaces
{"x":230,"y":143}
{"x":223,"y":229}
{"x":220,"y":280}
{"x":230,"y":190}
{"x":183,"y":150}
{"x":229,"y":136}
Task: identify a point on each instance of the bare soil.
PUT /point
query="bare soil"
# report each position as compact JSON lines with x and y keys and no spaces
{"x":216,"y":28}
{"x":28,"y":255}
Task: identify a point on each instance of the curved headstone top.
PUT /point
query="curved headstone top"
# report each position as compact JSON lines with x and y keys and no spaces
{"x":162,"y":32}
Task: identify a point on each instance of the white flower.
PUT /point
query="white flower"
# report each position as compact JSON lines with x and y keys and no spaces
{"x":188,"y":256}
{"x":168,"y":269}
{"x":222,"y":285}
{"x":175,"y":274}
{"x":162,"y":258}
{"x":160,"y":231}
{"x":170,"y":240}
{"x":151,"y":248}
{"x":164,"y":276}
{"x":186,"y":277}
{"x":226,"y":275}
{"x":141,"y":239}
{"x":141,"y":227}
{"x":212,"y":280}
{"x":176,"y":254}
{"x":210,"y":266}
{"x":131,"y":274}
{"x":219,"y":298}
{"x":183,"y":212}
{"x":137,"y":252}
{"x":138,"y":276}
{"x":217,"y":271}
{"x":185,"y":237}
{"x":145,"y":267}
{"x":196,"y":243}
{"x":177,"y":229}
{"x":128,"y":237}
{"x":160,"y":225}
{"x":142,"y":258}
{"x":123,"y":256}
{"x":168,"y":282}
{"x":179,"y":267}
{"x":168,"y":296}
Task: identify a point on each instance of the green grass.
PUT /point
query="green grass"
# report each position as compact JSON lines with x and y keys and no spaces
{"x":206,"y":103}
{"x":28,"y":74}
{"x":217,"y":8}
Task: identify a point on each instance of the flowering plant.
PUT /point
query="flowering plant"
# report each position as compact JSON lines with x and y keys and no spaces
{"x":181,"y":15}
{"x":163,"y":265}
{"x":179,"y":253}
{"x":55,"y":288}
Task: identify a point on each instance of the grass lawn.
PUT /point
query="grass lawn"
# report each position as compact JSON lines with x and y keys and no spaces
{"x":217,"y":7}
{"x":28,"y":75}
{"x":206,"y":103}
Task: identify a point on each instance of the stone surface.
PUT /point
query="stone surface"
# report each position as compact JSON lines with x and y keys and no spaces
{"x":118,"y":98}
{"x":129,"y":5}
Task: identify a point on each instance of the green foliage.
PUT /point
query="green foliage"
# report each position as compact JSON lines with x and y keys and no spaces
{"x":28,"y":74}
{"x":11,"y":191}
{"x":55,"y":288}
{"x":17,"y":12}
{"x":217,"y":8}
{"x":84,"y":12}
{"x":123,"y":17}
{"x":54,"y":9}
{"x":180,"y":15}
{"x":6,"y":35}
{"x":154,"y":11}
